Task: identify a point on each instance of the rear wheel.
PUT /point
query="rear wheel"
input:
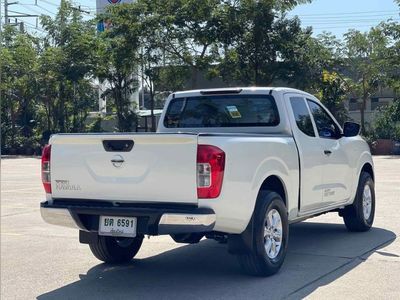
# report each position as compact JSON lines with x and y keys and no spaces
{"x":360,"y":215}
{"x":270,"y":236}
{"x":116,"y":249}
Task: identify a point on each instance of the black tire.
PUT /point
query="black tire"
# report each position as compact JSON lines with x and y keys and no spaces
{"x":116,"y":250}
{"x":353,"y":215}
{"x":257,"y":262}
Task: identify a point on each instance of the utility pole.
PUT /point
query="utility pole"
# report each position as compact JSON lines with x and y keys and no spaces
{"x":7,"y":16}
{"x":6,"y":5}
{"x":6,"y":12}
{"x":78,"y":8}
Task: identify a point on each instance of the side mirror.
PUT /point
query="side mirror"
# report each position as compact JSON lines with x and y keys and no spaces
{"x":351,"y":129}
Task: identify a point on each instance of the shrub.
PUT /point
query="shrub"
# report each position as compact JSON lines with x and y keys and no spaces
{"x":387,"y":125}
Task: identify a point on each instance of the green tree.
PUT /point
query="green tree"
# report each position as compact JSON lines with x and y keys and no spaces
{"x":391,"y":58}
{"x":317,"y":56}
{"x":160,"y":68}
{"x":18,"y":56}
{"x":265,"y":46}
{"x":332,"y":92}
{"x":189,"y":32}
{"x":72,"y":45}
{"x":119,"y":62}
{"x":140,"y":24}
{"x":387,"y":124}
{"x":363,"y":57}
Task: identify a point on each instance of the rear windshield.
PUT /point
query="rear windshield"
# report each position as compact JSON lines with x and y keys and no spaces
{"x":222,"y":111}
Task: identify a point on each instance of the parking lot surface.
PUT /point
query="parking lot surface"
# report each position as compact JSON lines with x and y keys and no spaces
{"x":324,"y":260}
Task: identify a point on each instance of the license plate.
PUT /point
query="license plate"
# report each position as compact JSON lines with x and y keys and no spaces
{"x":117,"y":226}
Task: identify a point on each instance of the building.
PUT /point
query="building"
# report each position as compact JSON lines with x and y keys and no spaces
{"x":373,"y":106}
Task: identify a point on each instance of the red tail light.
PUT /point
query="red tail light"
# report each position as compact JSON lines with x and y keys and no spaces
{"x":46,"y":178}
{"x":210,"y":171}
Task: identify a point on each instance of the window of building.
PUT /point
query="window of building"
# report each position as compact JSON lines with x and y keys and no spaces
{"x":354,"y":105}
{"x":380,"y":102}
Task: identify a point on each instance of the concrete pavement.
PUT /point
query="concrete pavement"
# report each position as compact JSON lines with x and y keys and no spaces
{"x":324,"y":260}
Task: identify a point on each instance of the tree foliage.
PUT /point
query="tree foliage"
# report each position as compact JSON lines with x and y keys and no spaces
{"x":118,"y":62}
{"x":264,"y":47}
{"x":387,"y":125}
{"x":18,"y":67}
{"x":48,"y":82}
{"x":332,"y":92}
{"x":71,"y":46}
{"x":364,"y":54}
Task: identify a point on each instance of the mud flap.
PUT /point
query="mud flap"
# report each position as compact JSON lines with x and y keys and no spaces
{"x":241,"y":243}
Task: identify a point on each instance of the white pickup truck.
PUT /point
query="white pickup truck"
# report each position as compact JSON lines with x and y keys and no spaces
{"x":236,"y":165}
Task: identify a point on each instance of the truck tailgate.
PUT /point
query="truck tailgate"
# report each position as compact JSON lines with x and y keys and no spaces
{"x":158,"y":168}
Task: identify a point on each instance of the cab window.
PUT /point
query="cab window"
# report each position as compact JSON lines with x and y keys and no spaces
{"x":222,"y":111}
{"x":302,"y":116}
{"x":326,"y":127}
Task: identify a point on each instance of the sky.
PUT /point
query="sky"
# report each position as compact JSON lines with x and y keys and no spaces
{"x":336,"y":16}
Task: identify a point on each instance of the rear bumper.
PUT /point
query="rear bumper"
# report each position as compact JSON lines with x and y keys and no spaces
{"x":151,"y":219}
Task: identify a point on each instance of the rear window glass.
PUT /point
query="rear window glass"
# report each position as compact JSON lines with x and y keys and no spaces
{"x":222,"y":111}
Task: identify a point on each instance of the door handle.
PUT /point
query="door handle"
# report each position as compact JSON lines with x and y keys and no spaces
{"x":327,"y":152}
{"x":118,"y":145}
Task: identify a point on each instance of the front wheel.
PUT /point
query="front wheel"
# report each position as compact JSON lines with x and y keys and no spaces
{"x":270,"y":236}
{"x":360,"y":215}
{"x":116,"y":249}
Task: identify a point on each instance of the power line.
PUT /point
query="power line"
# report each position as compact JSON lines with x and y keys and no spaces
{"x":17,"y":15}
{"x":348,"y":17}
{"x":344,"y":26}
{"x":49,"y":3}
{"x":32,"y":8}
{"x":345,"y":22}
{"x":39,"y":6}
{"x":351,"y":13}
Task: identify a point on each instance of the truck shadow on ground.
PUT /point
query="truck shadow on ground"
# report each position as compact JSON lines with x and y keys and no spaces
{"x":318,"y":254}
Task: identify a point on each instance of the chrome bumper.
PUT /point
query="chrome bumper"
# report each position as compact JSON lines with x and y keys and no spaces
{"x":186,"y":223}
{"x":156,"y":221}
{"x":58,"y":216}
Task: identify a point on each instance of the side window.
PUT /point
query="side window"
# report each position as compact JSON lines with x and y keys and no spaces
{"x":326,"y":127}
{"x":302,"y":115}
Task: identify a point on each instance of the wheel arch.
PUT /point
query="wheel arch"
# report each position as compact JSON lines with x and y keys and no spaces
{"x":242,"y":243}
{"x":367,"y":167}
{"x":274,"y":183}
{"x":365,"y":164}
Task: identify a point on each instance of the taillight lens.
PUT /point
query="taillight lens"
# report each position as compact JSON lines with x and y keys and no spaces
{"x":46,"y":178}
{"x":210,"y":171}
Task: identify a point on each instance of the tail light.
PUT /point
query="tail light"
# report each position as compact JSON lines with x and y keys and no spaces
{"x":210,"y":171}
{"x":46,"y":178}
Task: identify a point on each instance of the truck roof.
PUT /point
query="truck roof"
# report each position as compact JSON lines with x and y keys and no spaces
{"x":283,"y":128}
{"x":238,"y":90}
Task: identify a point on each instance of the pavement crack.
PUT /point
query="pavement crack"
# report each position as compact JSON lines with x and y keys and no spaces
{"x":19,"y":213}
